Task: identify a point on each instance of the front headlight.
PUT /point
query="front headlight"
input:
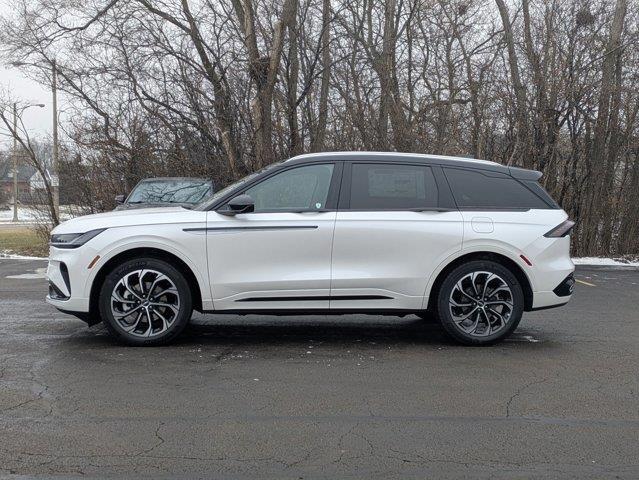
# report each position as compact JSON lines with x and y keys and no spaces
{"x":73,"y":240}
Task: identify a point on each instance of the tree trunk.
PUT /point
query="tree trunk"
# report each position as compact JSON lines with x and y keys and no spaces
{"x":295,"y":142}
{"x":319,"y":137}
{"x":594,"y":213}
{"x":263,"y":72}
{"x":521,"y":150}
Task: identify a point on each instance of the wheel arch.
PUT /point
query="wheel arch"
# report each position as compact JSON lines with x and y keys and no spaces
{"x":139,"y":252}
{"x":507,"y":262}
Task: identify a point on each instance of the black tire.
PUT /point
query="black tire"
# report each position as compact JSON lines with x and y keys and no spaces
{"x":512,"y":318}
{"x":152,"y":266}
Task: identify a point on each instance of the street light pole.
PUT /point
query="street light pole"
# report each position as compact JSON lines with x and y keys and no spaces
{"x":15,"y":163}
{"x":56,"y":175}
{"x":54,"y":90}
{"x":15,"y":154}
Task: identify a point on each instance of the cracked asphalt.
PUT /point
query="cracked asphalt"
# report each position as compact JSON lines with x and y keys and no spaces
{"x":322,"y":397}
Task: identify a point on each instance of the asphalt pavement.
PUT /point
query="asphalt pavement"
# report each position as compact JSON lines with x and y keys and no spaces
{"x":252,"y":397}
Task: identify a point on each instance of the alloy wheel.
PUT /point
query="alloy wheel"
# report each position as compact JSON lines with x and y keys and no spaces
{"x":145,"y":303}
{"x":481,"y":304}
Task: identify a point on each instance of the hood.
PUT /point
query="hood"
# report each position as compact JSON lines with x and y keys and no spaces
{"x":127,"y":218}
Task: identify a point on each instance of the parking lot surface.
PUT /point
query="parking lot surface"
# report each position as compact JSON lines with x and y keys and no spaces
{"x":322,"y":397}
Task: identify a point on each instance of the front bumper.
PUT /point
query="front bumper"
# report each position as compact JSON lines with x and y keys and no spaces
{"x":61,"y":293}
{"x":67,"y":275}
{"x":79,"y":305}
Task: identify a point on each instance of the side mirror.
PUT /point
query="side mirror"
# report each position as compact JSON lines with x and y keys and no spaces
{"x":240,"y":204}
{"x":119,"y":199}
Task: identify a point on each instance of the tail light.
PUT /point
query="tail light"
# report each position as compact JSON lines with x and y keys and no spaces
{"x":561,"y":230}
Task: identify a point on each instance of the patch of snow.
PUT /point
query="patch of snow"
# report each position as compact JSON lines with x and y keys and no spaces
{"x":606,"y":261}
{"x":36,"y":274}
{"x":523,"y":338}
{"x":25,"y":215}
{"x":11,"y":256}
{"x":28,"y":214}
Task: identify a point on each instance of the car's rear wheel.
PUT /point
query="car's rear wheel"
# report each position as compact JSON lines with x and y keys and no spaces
{"x":480,"y":303}
{"x":145,"y":301}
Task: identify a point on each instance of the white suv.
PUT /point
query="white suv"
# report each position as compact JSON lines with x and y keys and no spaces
{"x":476,"y":242}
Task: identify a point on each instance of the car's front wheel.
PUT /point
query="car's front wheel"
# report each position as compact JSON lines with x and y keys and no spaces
{"x":480,"y":303}
{"x":145,"y":301}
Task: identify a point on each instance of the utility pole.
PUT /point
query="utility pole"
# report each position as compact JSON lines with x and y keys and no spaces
{"x":15,"y":163}
{"x":56,"y":176}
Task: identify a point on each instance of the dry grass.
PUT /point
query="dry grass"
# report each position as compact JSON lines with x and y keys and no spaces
{"x":20,"y":240}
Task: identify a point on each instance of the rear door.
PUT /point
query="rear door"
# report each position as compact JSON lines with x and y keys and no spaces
{"x":395,"y":224}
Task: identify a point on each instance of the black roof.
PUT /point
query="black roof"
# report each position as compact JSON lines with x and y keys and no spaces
{"x":443,"y":160}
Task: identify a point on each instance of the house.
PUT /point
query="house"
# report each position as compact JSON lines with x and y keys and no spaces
{"x":25,"y":172}
{"x":36,"y":182}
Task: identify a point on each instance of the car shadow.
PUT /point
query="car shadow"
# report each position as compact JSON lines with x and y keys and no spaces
{"x":272,"y":331}
{"x":300,"y":330}
{"x":262,"y":330}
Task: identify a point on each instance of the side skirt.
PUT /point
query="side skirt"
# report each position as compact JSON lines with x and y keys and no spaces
{"x":320,"y":311}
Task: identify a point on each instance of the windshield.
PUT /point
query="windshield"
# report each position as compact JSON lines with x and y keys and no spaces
{"x":171,"y":191}
{"x":204,"y":205}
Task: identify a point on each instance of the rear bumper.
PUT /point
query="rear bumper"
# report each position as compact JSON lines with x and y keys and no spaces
{"x":543,"y":300}
{"x":548,"y":307}
{"x":565,"y":288}
{"x":559,"y":296}
{"x":552,"y":272}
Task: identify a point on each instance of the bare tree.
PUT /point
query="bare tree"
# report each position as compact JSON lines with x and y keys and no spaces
{"x":14,"y":128}
{"x":219,"y":89}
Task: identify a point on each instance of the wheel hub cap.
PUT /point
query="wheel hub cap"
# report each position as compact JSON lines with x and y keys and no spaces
{"x":145,"y":303}
{"x":481,"y":304}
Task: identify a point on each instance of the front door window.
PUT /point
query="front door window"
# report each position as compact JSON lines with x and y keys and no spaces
{"x":299,"y":189}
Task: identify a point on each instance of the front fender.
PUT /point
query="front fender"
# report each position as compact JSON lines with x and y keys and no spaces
{"x":195,"y":260}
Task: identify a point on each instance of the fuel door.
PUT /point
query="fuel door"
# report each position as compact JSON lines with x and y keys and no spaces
{"x":482,"y":225}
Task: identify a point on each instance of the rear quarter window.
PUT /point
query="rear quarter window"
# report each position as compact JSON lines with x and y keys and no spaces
{"x":491,"y":190}
{"x":541,"y":192}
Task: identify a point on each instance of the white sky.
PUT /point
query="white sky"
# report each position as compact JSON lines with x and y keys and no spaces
{"x":16,"y":86}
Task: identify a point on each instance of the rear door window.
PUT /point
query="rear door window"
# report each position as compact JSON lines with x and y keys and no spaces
{"x":378,"y":186}
{"x":491,"y":190}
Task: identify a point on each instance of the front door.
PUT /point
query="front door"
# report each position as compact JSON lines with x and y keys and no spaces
{"x":279,"y":256}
